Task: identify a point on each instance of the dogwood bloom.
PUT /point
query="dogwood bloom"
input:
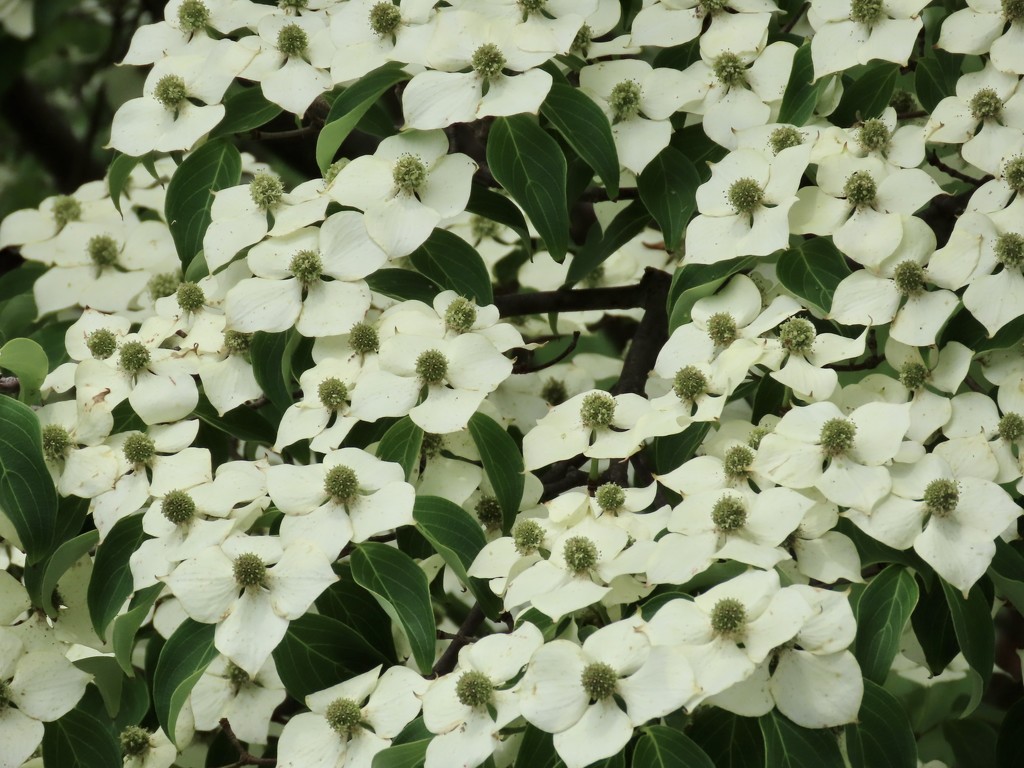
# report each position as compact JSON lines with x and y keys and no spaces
{"x":851,"y":32}
{"x":981,"y":28}
{"x":368,"y":34}
{"x":248,"y":701}
{"x":667,"y":23}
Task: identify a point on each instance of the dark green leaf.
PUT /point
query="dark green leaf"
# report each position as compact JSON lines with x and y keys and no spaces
{"x":801,"y":94}
{"x":83,"y":738}
{"x":882,"y":737}
{"x":1010,"y":744}
{"x":403,"y":284}
{"x":527,"y":162}
{"x":769,"y":398}
{"x":933,"y":626}
{"x":183,"y":659}
{"x":586,"y":129}
{"x":975,"y":632}
{"x":974,"y":742}
{"x":66,"y":555}
{"x":787,"y":745}
{"x":503,"y":464}
{"x":627,"y":224}
{"x":668,"y":187}
{"x":112,"y":581}
{"x":246,"y":110}
{"x":401,"y":444}
{"x":883,"y":611}
{"x":20,"y":279}
{"x":271,"y":365}
{"x":458,"y":538}
{"x":348,"y":109}
{"x":537,"y":750}
{"x":350,"y":604}
{"x":318,"y":652}
{"x":27,"y":360}
{"x":108,"y":679}
{"x":496,"y":207}
{"x":403,"y":756}
{"x":678,"y":56}
{"x":121,"y":168}
{"x":694,"y":282}
{"x":729,"y":740}
{"x":813,"y":271}
{"x":214,"y":166}
{"x":402,"y":587}
{"x":693,"y":142}
{"x":935,"y":77}
{"x":1007,"y":573}
{"x":671,"y":451}
{"x":663,"y":747}
{"x":127,"y":625}
{"x":453,"y":263}
{"x":27,"y":494}
{"x":868,"y":95}
{"x":241,"y":423}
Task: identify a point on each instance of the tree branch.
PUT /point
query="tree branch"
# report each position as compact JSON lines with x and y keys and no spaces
{"x":244,"y":756}
{"x":570,"y":300}
{"x":450,"y":657}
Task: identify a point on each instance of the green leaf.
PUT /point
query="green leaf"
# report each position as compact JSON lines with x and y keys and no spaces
{"x":787,"y":745}
{"x":66,"y":555}
{"x":350,"y":604}
{"x":693,"y":142}
{"x":458,"y":538}
{"x":108,"y":679}
{"x":453,"y":263}
{"x":27,"y":360}
{"x":241,"y":423}
{"x":401,"y":587}
{"x":935,"y":77}
{"x":974,"y":742}
{"x":120,"y":169}
{"x":403,"y":284}
{"x":401,"y":444}
{"x":671,"y":451}
{"x":663,"y":747}
{"x":214,"y":166}
{"x":537,"y":750}
{"x":1010,"y":744}
{"x":668,"y":187}
{"x":627,"y":224}
{"x":694,"y":282}
{"x":975,"y":632}
{"x":586,"y":129}
{"x":27,"y":495}
{"x":770,"y":398}
{"x":271,"y":365}
{"x":348,"y":109}
{"x":883,"y":611}
{"x":402,"y":756}
{"x":83,"y":738}
{"x":503,"y":463}
{"x":20,"y":279}
{"x":882,"y":736}
{"x":801,"y":94}
{"x":868,"y":95}
{"x":127,"y":625}
{"x":183,"y":659}
{"x":496,"y":207}
{"x":318,"y":652}
{"x":1007,"y":573}
{"x":528,"y":163}
{"x":813,"y":271}
{"x":112,"y":581}
{"x":246,"y":110}
{"x":933,"y":626}
{"x":729,"y":740}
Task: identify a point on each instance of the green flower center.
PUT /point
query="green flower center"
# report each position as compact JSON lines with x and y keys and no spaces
{"x":711,"y":7}
{"x":101,"y":343}
{"x":584,"y":36}
{"x":986,"y":105}
{"x":745,"y":196}
{"x":597,"y":410}
{"x":139,"y":450}
{"x":729,"y":514}
{"x":432,"y":366}
{"x":757,"y":434}
{"x":1011,"y":427}
{"x":409,"y":174}
{"x":133,"y":357}
{"x":384,"y":19}
{"x":860,"y":189}
{"x":488,"y":512}
{"x":487,"y":61}
{"x":333,"y":393}
{"x":531,"y":6}
{"x":553,"y":392}
{"x":909,"y":278}
{"x":103,"y":250}
{"x":729,"y":69}
{"x":797,"y":335}
{"x":236,"y":342}
{"x":913,"y":375}
{"x":866,"y":11}
{"x":481,"y":227}
{"x":238,"y":676}
{"x":190,"y":297}
{"x":874,"y":136}
{"x":56,"y":442}
{"x":474,"y":689}
{"x":431,"y":446}
{"x":293,"y":5}
{"x":722,"y":329}
{"x":729,"y":619}
{"x":784,"y":137}
{"x":66,"y":209}
{"x":193,"y":15}
{"x":460,"y":315}
{"x":306,"y":266}
{"x":164,"y":284}
{"x":1013,"y":174}
{"x":689,"y":384}
{"x":344,"y":716}
{"x":342,"y":484}
{"x":527,"y":535}
{"x":134,"y":741}
{"x":1013,"y":10}
{"x":363,"y":339}
{"x":5,"y":694}
{"x":599,"y":680}
{"x":170,"y":91}
{"x":292,"y":40}
{"x":903,"y":101}
{"x":266,"y":190}
{"x":1010,"y":250}
{"x":737,"y":461}
{"x":249,"y":570}
{"x":941,"y":497}
{"x":580,"y":554}
{"x":624,"y":100}
{"x":836,"y":436}
{"x":610,"y":497}
{"x":178,"y":507}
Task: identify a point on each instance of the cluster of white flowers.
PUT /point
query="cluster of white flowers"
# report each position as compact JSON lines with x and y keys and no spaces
{"x":689,"y":534}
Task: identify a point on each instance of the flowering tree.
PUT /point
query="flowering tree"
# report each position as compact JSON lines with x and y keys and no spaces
{"x":584,"y":383}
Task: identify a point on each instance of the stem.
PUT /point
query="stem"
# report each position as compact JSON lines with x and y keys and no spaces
{"x":244,"y":756}
{"x":450,"y":657}
{"x":571,"y":300}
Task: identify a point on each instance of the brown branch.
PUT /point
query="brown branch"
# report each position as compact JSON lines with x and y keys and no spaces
{"x":796,"y":17}
{"x":650,"y":336}
{"x":450,"y":657}
{"x":571,"y":300}
{"x":244,"y":756}
{"x":524,"y":367}
{"x":933,"y":158}
{"x":9,"y":385}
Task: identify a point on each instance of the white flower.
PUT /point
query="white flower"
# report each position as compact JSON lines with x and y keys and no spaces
{"x":368,"y":34}
{"x":247,"y":701}
{"x":979,"y":28}
{"x":667,"y":23}
{"x":851,"y":32}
